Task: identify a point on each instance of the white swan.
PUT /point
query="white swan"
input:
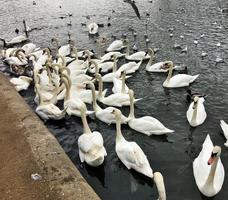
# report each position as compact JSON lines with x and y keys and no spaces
{"x":179,"y":80}
{"x":16,"y":40}
{"x":140,"y":55}
{"x":130,"y":153}
{"x":208,"y":169}
{"x":115,"y":46}
{"x":29,"y":48}
{"x":119,"y":85}
{"x":93,"y":28}
{"x":109,"y":55}
{"x":224,"y":127}
{"x":196,"y":113}
{"x":21,"y":83}
{"x":104,"y":115}
{"x":49,"y":110}
{"x":90,"y":144}
{"x":103,"y":67}
{"x":147,"y":125}
{"x":159,"y":181}
{"x":72,"y":102}
{"x":130,"y":67}
{"x":17,"y":59}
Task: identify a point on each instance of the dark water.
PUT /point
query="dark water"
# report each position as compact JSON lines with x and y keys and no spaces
{"x":172,"y":154}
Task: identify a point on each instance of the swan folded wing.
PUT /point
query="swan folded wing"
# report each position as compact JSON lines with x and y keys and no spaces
{"x":149,"y":124}
{"x":182,"y":79}
{"x":131,"y":155}
{"x":89,"y":142}
{"x":219,"y":176}
{"x":200,"y":167}
{"x":106,"y":115}
{"x":224,"y":127}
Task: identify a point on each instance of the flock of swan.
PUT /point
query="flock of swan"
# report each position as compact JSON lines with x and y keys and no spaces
{"x":70,"y":76}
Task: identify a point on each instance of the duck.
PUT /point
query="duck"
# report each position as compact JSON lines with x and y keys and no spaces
{"x":115,"y":46}
{"x":208,"y":169}
{"x":130,"y":153}
{"x":21,"y":83}
{"x":224,"y":127}
{"x":90,"y":144}
{"x":147,"y":125}
{"x":179,"y":80}
{"x":196,"y":114}
{"x":16,"y":40}
{"x":104,"y":115}
{"x":93,"y":28}
{"x":48,"y":111}
{"x":138,"y":56}
{"x":119,"y":85}
{"x":190,"y":95}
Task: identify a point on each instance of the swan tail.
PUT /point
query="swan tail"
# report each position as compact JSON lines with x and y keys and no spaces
{"x":226,"y":144}
{"x":89,"y":112}
{"x":224,"y":127}
{"x":136,"y":100}
{"x":194,"y":78}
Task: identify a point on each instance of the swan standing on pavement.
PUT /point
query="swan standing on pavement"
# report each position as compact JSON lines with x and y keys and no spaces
{"x":90,"y":144}
{"x":140,"y":55}
{"x":196,"y":113}
{"x":208,"y":169}
{"x":224,"y":127}
{"x":147,"y":125}
{"x":130,"y":153}
{"x":179,"y":80}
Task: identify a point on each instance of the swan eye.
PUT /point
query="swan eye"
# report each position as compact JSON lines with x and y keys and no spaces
{"x":213,"y":155}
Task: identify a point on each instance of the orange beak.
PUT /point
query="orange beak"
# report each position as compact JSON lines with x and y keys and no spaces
{"x":210,"y":161}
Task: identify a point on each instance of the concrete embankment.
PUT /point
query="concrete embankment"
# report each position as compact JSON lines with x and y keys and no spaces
{"x":27,"y":147}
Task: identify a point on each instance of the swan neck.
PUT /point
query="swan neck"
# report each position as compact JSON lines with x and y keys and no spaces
{"x":95,"y":106}
{"x":75,"y":51}
{"x":194,"y":115}
{"x":119,"y":135}
{"x":67,"y":95}
{"x":211,"y":175}
{"x":150,"y":60}
{"x":161,"y":189}
{"x":128,"y":50}
{"x":100,"y":87}
{"x":41,"y":102}
{"x":169,"y":74}
{"x":132,"y":108}
{"x":84,"y":122}
{"x":123,"y":84}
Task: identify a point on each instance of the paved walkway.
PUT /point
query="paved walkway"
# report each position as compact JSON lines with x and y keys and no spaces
{"x":26,"y":147}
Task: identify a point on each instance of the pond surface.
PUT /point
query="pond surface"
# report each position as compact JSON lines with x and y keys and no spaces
{"x":173,"y":154}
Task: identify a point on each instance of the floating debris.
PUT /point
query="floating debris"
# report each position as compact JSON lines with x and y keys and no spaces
{"x":147,"y":40}
{"x":203,"y":54}
{"x":171,"y":29}
{"x":36,"y":177}
{"x":219,"y":60}
{"x":185,"y":49}
{"x":170,"y":35}
{"x":34,"y":3}
{"x":202,"y":35}
{"x":145,"y":35}
{"x":196,"y":42}
{"x":218,"y":44}
{"x":181,"y":36}
{"x":177,"y":46}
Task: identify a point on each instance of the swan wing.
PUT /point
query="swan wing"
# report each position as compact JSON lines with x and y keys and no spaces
{"x":200,"y":167}
{"x":224,"y":127}
{"x":115,"y":45}
{"x":181,"y":80}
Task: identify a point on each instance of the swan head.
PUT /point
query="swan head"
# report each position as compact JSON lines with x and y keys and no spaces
{"x":125,"y":42}
{"x":113,"y":57}
{"x":216,"y":152}
{"x":167,"y":65}
{"x":98,"y":76}
{"x":131,"y":93}
{"x":116,"y":112}
{"x":150,"y":51}
{"x":47,"y":51}
{"x":195,"y":100}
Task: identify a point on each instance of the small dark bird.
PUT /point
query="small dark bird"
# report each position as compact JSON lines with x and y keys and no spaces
{"x":17,"y":31}
{"x":183,"y":71}
{"x":83,"y":24}
{"x":60,"y":6}
{"x":109,"y":18}
{"x":147,"y":14}
{"x":190,"y":95}
{"x":100,"y":25}
{"x":34,"y":3}
{"x":113,"y":11}
{"x":108,"y":24}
